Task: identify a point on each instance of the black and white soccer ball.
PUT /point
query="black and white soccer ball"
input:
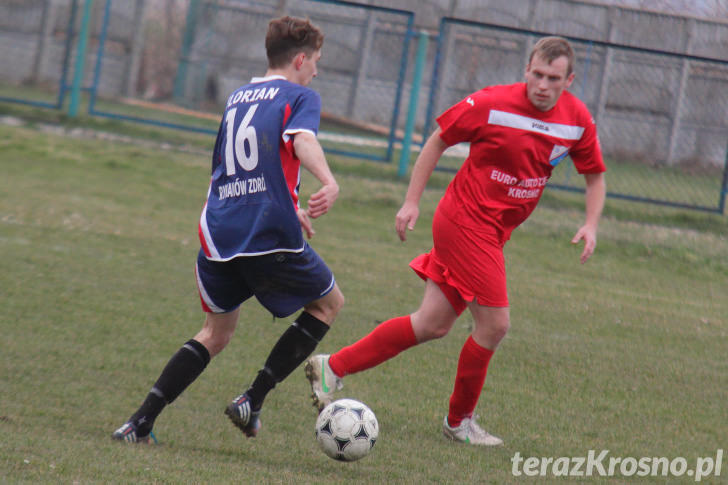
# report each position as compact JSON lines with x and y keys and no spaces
{"x":346,"y":430}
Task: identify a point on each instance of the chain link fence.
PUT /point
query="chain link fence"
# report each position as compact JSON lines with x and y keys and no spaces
{"x":361,"y":73}
{"x":661,"y":116}
{"x":35,"y":50}
{"x":657,"y":84}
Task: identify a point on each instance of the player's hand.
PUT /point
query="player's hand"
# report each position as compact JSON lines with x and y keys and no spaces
{"x":588,"y":234}
{"x":322,"y":201}
{"x":306,"y":224}
{"x":406,"y":219}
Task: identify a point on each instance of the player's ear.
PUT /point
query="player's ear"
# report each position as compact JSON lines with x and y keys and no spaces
{"x":570,"y":79}
{"x":298,"y":60}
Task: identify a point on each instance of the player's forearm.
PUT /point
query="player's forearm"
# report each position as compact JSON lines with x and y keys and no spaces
{"x":312,"y":157}
{"x":424,"y":166}
{"x":596,"y":192}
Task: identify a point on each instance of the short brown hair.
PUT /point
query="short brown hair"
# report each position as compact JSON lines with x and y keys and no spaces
{"x":287,"y":36}
{"x":551,"y":48}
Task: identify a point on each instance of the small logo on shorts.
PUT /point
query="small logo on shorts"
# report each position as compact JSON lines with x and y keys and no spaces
{"x":280,"y":258}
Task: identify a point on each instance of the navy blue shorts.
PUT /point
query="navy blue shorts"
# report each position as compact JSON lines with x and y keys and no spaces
{"x":282,"y":282}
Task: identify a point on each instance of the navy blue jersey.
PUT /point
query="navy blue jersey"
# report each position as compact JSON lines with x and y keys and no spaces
{"x":253,"y":195}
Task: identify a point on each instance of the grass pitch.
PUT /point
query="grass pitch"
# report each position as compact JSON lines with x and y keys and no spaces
{"x":626,"y":353}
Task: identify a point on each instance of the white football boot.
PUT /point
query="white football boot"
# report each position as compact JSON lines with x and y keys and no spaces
{"x":469,"y":432}
{"x":323,"y":380}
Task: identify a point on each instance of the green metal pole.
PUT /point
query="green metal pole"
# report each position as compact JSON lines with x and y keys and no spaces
{"x":80,"y":60}
{"x":187,"y":40}
{"x":414,"y":98}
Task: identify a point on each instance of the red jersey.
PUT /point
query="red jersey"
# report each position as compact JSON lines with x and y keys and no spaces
{"x":513,"y":149}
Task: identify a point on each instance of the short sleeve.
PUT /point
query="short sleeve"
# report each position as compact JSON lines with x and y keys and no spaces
{"x":305,"y":113}
{"x":463,"y":121}
{"x":587,"y":153}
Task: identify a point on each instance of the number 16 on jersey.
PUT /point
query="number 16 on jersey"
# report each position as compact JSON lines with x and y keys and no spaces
{"x":235,"y":142}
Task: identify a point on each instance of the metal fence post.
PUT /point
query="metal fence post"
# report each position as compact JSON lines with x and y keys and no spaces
{"x":99,"y":58}
{"x":187,"y":41}
{"x":400,"y":85}
{"x":414,"y":98}
{"x":724,"y":186}
{"x":442,"y":54}
{"x":80,"y":60}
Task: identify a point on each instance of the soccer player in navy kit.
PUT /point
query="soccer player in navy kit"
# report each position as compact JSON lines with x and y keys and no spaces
{"x":251,"y":230}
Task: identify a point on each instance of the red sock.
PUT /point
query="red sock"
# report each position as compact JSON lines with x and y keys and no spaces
{"x":384,"y":342}
{"x":472,"y":368}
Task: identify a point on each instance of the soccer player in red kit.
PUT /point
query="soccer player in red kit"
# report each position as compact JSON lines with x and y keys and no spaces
{"x":517,"y":133}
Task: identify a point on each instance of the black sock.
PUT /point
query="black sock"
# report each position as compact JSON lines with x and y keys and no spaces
{"x":181,"y":370}
{"x":294,"y":346}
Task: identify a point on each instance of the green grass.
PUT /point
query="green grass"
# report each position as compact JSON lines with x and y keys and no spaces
{"x":625,"y":353}
{"x":675,"y":185}
{"x":29,"y":93}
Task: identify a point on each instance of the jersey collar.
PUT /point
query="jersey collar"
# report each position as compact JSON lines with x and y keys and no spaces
{"x":266,"y":79}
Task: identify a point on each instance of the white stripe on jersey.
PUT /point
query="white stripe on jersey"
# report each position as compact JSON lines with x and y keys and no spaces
{"x":205,"y":297}
{"x":512,"y":120}
{"x":297,"y":188}
{"x":293,"y":131}
{"x":206,"y":230}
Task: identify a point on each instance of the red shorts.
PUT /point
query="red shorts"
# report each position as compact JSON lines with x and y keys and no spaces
{"x":466,"y":264}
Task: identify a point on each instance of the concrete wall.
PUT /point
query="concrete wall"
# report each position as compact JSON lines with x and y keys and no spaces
{"x":658,"y":108}
{"x":655,"y":106}
{"x":33,"y":35}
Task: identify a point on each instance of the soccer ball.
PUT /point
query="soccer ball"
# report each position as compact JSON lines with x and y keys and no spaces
{"x":346,"y":430}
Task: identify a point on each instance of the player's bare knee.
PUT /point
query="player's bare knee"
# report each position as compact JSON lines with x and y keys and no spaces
{"x":334,"y":303}
{"x":501,"y":329}
{"x":338,"y":302}
{"x":423,"y":333}
{"x":498,"y":329}
{"x":221,"y":341}
{"x":429,"y":325}
{"x":213,"y":343}
{"x":326,"y":308}
{"x":439,"y":332}
{"x":214,"y":339}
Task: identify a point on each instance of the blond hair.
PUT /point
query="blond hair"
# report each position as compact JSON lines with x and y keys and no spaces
{"x":551,"y":48}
